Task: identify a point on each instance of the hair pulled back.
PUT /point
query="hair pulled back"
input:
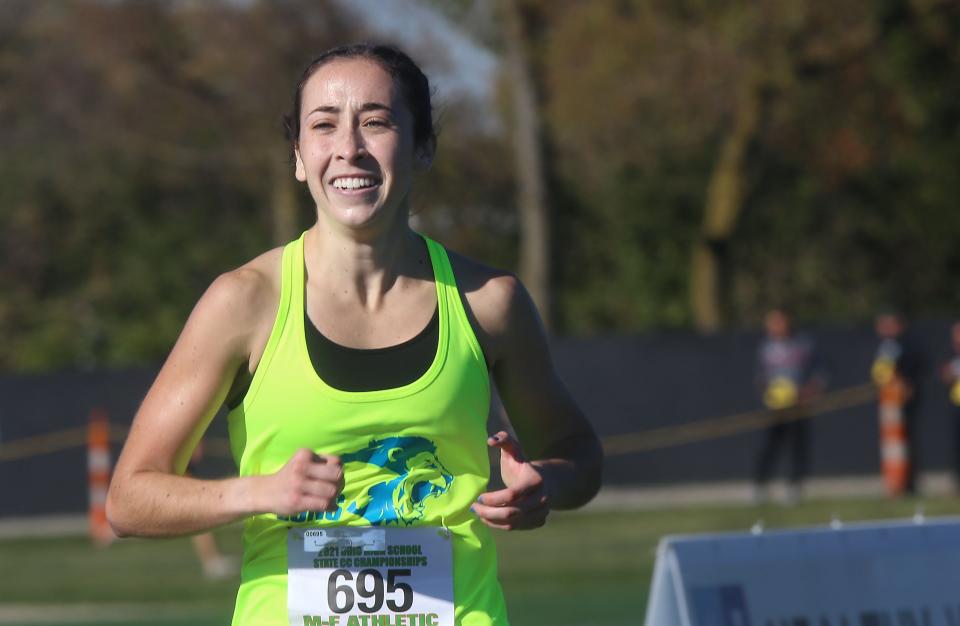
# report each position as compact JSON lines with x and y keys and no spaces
{"x":413,"y":85}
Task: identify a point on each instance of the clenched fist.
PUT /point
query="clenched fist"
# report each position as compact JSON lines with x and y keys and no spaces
{"x":308,"y":482}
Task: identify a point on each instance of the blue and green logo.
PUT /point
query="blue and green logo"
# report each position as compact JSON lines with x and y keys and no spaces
{"x":416,"y":476}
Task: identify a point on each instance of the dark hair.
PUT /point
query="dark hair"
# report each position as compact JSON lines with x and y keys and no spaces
{"x":412,"y":82}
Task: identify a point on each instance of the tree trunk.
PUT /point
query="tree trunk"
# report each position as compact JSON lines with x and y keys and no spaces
{"x":528,"y":154}
{"x":725,"y":195}
{"x":283,"y":202}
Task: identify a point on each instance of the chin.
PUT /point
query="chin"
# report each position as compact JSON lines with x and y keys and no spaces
{"x":360,"y":218}
{"x":363,"y":215}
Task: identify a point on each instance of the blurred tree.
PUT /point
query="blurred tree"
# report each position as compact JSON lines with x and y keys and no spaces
{"x":506,"y":27}
{"x":146,"y":147}
{"x":142,"y":154}
{"x":745,"y":132}
{"x":532,"y":201}
{"x":852,"y":207}
{"x":702,"y":160}
{"x":633,"y":103}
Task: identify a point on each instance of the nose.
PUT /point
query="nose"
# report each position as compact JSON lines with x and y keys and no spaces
{"x":351,"y":147}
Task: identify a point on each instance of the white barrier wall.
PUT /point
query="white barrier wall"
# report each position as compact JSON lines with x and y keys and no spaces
{"x":876,"y":574}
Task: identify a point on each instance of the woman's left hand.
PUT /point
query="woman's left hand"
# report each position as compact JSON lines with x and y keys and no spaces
{"x":525,"y":502}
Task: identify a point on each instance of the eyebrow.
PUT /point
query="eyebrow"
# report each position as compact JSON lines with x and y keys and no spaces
{"x":367,"y":106}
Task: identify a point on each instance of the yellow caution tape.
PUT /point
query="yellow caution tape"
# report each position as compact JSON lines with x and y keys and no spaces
{"x":616,"y":445}
{"x":715,"y":428}
{"x":43,"y":444}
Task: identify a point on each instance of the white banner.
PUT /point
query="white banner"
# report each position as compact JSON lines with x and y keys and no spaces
{"x":876,"y":574}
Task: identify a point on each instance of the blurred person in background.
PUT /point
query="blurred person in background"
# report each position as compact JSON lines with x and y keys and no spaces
{"x":789,"y":378}
{"x":900,"y":361}
{"x":356,"y":364}
{"x":950,"y":374}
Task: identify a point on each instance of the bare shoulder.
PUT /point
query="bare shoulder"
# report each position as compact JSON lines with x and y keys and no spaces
{"x":249,"y":288}
{"x":500,"y":306}
{"x":240,"y":302}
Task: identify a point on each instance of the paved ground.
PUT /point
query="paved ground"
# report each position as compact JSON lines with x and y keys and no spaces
{"x":613,"y":498}
{"x":741,"y":492}
{"x":43,"y":526}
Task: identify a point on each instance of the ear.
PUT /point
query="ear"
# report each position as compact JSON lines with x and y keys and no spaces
{"x":425,"y":154}
{"x":300,"y":171}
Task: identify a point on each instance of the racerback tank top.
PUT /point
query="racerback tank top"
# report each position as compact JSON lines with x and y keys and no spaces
{"x":435,"y":426}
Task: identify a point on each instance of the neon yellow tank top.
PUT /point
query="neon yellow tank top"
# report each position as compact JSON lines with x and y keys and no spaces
{"x":438,"y":421}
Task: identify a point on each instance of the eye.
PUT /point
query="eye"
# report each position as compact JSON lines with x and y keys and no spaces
{"x":322,"y":125}
{"x":376,"y":122}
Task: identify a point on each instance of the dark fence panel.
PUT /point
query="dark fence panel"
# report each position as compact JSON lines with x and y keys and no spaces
{"x":624,"y":384}
{"x":629,"y":384}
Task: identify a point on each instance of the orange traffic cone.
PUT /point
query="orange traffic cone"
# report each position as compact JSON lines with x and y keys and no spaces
{"x":98,"y":470}
{"x":894,"y":456}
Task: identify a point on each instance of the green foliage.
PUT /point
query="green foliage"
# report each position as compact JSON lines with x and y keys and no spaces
{"x":851,"y":177}
{"x":855,"y":208}
{"x":617,"y":269}
{"x":141,"y":149}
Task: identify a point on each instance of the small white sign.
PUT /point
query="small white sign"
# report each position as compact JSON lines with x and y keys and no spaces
{"x":878,"y":574}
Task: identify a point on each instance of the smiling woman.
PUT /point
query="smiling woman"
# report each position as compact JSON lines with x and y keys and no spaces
{"x":360,"y":140}
{"x":356,"y":362}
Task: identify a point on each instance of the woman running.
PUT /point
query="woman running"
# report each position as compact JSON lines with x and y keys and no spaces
{"x":356,"y":362}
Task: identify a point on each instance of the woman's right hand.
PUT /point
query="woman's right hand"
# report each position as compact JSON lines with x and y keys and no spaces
{"x":308,"y":482}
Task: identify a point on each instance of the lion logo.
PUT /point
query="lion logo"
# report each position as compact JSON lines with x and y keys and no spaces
{"x":418,"y":476}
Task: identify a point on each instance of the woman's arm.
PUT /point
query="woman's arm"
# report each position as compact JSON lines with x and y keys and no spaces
{"x":148,"y":494}
{"x":566,"y":466}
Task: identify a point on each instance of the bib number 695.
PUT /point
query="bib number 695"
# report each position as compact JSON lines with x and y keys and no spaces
{"x":343,"y":590}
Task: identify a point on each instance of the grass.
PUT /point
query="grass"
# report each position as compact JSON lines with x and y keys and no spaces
{"x":581,"y":568}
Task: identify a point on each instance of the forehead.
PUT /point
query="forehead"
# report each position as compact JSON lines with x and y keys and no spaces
{"x":347,"y":83}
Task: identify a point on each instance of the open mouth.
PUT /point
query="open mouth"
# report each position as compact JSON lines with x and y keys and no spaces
{"x":355,"y":183}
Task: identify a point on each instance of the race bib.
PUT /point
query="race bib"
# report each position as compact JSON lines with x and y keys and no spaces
{"x":781,"y":393}
{"x":882,"y":371}
{"x":348,"y":576}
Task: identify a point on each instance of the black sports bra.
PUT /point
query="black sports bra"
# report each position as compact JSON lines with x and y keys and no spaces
{"x":361,"y":369}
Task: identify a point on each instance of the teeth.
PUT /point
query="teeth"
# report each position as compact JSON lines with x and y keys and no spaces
{"x":353,"y":183}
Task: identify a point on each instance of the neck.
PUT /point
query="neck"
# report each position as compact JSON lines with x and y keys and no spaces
{"x":361,"y":265}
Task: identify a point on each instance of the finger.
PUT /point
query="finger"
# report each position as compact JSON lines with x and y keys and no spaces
{"x":324,"y":459}
{"x":317,"y":495}
{"x":533,"y":508}
{"x":496,"y":514}
{"x":325,"y":471}
{"x":528,"y":502}
{"x":503,"y":497}
{"x":506,"y":444}
{"x":317,"y":503}
{"x":496,"y":525}
{"x":319,"y":489}
{"x":312,"y":497}
{"x":528,"y":521}
{"x":514,"y":494}
{"x":306,"y":455}
{"x":524,"y":483}
{"x":301,"y":457}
